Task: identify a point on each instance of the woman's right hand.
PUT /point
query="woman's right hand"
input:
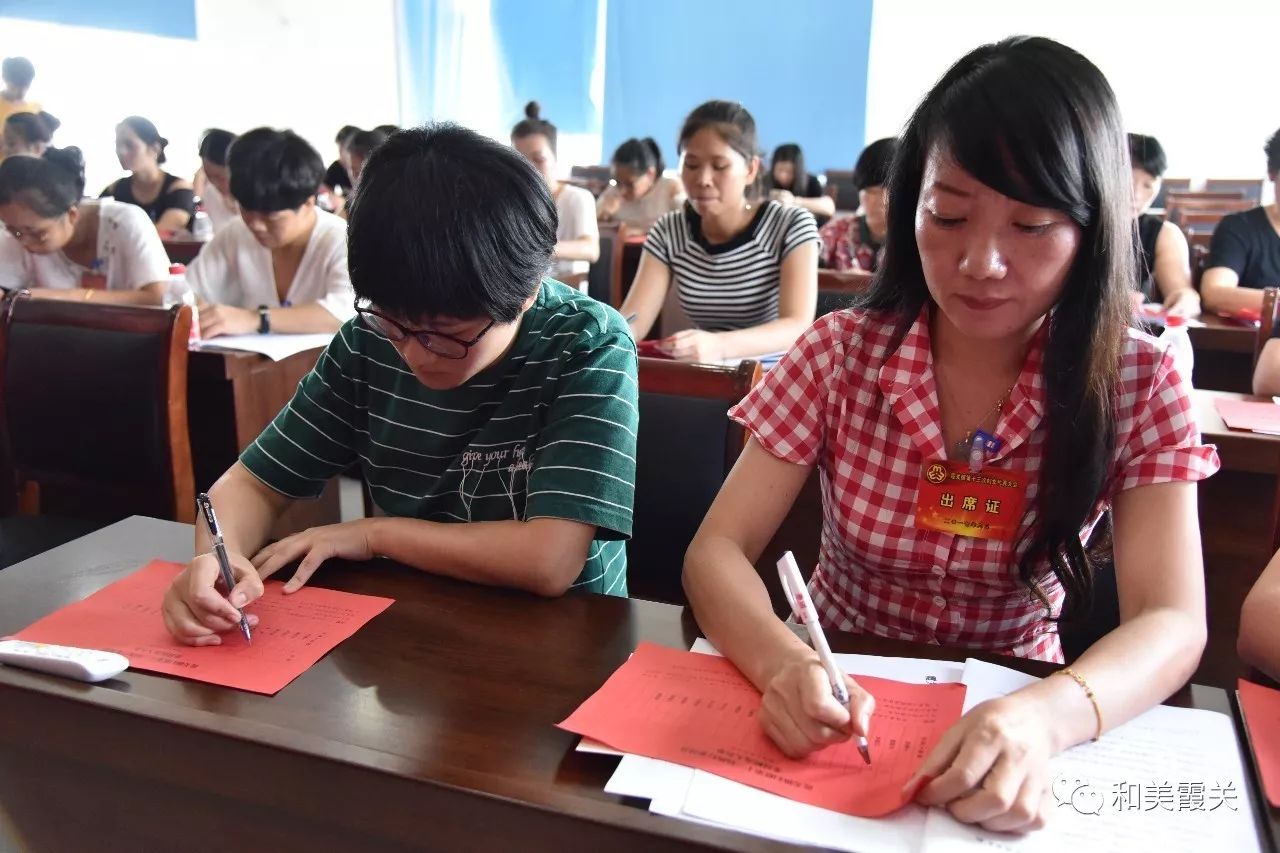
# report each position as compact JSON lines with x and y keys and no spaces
{"x":195,"y":612}
{"x":800,"y":714}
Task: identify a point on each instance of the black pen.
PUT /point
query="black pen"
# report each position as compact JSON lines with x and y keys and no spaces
{"x":220,"y":551}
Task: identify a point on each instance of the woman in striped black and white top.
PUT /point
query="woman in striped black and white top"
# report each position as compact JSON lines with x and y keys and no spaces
{"x":746,"y":276}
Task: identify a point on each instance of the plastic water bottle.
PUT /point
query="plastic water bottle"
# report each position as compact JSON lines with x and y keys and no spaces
{"x":178,"y":292}
{"x":202,"y":225}
{"x":1178,"y":344}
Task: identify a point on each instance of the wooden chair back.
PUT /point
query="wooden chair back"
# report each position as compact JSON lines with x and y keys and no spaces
{"x":1199,"y":243}
{"x":1248,"y":188}
{"x":93,"y":399}
{"x":838,"y":289}
{"x":840,"y":187}
{"x":1199,"y":221}
{"x":685,"y":448}
{"x":1267,"y":320}
{"x":593,"y":178}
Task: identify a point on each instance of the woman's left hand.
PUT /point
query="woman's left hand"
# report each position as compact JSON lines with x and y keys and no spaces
{"x":992,"y":767}
{"x":693,"y":345}
{"x":346,"y":541}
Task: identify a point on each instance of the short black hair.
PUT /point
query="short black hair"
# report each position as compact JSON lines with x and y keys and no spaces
{"x":50,"y":184}
{"x":1146,"y":153}
{"x":449,"y":223}
{"x":366,"y":142}
{"x":872,"y":168}
{"x":1272,"y":150}
{"x":214,"y":145}
{"x":146,"y":130}
{"x":32,"y":127}
{"x":347,"y":131}
{"x":18,"y":70}
{"x":388,"y":129}
{"x":534,"y":124}
{"x":273,"y":170}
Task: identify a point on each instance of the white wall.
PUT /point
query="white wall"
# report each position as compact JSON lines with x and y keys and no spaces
{"x":309,"y":65}
{"x":1212,"y":118}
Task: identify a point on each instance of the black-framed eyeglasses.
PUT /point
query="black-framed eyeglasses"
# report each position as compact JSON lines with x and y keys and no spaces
{"x":445,"y":346}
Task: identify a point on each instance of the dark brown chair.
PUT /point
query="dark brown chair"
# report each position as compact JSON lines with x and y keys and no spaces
{"x":1199,"y":221}
{"x":1249,"y":188}
{"x":182,"y":251}
{"x":1267,"y":320}
{"x":838,"y":289}
{"x":684,"y":450}
{"x":593,"y":178}
{"x":840,"y":187}
{"x":1199,"y":243}
{"x":94,"y":409}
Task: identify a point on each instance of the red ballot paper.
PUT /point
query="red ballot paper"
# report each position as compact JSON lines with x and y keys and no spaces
{"x":1242,"y":414}
{"x":700,"y":711}
{"x":293,"y":631}
{"x":1261,"y":708}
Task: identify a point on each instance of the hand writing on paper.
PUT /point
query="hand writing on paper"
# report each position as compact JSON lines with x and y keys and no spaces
{"x":347,"y":541}
{"x":800,"y":715}
{"x":693,"y":345}
{"x":992,"y":767}
{"x":218,"y":320}
{"x":195,"y":611}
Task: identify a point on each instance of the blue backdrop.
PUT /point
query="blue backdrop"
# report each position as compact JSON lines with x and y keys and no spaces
{"x":800,"y":68}
{"x":172,"y":18}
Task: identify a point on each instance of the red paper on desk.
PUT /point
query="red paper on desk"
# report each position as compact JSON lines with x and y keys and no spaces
{"x":1244,"y":414}
{"x":700,"y":711}
{"x":293,"y":631}
{"x":1261,"y":708}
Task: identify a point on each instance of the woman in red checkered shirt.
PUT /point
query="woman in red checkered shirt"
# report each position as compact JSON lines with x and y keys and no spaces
{"x":994,"y":340}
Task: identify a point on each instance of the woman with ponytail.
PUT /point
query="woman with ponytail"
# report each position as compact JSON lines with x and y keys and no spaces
{"x":28,"y":133}
{"x":577,"y":235}
{"x":638,"y":193}
{"x":63,"y":246}
{"x":168,"y":201}
{"x":972,"y":419}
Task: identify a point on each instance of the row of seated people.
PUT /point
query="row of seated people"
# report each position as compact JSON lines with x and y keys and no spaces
{"x":493,"y":413}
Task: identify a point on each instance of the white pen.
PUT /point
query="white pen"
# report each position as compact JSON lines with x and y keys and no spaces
{"x":802,"y":608}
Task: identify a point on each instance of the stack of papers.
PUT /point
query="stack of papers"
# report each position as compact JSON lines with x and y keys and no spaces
{"x":275,"y":347}
{"x":1170,"y":780}
{"x":1260,"y":417}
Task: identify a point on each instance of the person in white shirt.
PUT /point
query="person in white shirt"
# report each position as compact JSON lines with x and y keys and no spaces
{"x":213,"y":180}
{"x":578,"y":235}
{"x":60,"y":245}
{"x":282,"y":266}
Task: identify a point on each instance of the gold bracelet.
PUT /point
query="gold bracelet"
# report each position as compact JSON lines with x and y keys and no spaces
{"x":1088,"y":691}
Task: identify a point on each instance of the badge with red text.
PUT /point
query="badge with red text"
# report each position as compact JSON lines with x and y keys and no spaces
{"x":985,"y":505}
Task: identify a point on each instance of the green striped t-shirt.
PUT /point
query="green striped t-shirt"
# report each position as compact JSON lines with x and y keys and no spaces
{"x":547,"y":432}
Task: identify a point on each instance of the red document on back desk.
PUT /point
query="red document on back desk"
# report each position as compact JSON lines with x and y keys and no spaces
{"x":293,"y":632}
{"x":700,"y":711}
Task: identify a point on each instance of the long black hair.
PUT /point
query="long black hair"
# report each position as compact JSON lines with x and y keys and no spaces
{"x":146,"y":130}
{"x":793,"y":154}
{"x":1037,"y":122}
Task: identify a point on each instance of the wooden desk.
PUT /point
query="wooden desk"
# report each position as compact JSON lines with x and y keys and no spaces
{"x":1239,"y":515}
{"x":433,"y":726}
{"x":182,"y":251}
{"x":1223,"y":354}
{"x":231,"y":397}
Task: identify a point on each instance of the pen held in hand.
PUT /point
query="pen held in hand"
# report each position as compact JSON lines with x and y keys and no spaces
{"x":802,"y":608}
{"x":220,"y":552}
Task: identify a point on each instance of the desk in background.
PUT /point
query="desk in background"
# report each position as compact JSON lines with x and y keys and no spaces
{"x":1239,"y":526}
{"x":1223,"y":354}
{"x":231,"y":397}
{"x":433,"y":726}
{"x":182,"y":251}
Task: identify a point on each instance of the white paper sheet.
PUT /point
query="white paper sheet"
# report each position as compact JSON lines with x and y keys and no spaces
{"x":275,"y":347}
{"x":1177,"y":746}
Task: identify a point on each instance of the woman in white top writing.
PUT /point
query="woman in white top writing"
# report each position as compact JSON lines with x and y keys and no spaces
{"x":282,"y":266}
{"x":61,"y":245}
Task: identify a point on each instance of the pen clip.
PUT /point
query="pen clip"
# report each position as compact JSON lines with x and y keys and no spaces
{"x":206,"y":507}
{"x":787,"y":573}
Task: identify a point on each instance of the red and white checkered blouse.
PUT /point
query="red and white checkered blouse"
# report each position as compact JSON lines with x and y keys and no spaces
{"x":867,"y":414}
